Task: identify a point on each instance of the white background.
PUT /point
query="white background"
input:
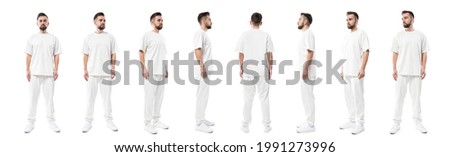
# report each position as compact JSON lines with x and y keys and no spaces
{"x":71,"y":22}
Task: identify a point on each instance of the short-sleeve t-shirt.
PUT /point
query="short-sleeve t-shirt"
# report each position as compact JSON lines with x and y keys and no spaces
{"x":99,"y":47}
{"x":409,"y":46}
{"x":42,"y":47}
{"x":154,"y":47}
{"x":355,"y":44}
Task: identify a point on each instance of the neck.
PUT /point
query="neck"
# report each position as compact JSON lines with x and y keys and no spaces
{"x":203,"y":27}
{"x":43,"y":31}
{"x":98,"y":31}
{"x":155,"y":30}
{"x":255,"y":27}
{"x":354,"y":29}
{"x":409,"y":29}
{"x":306,"y":27}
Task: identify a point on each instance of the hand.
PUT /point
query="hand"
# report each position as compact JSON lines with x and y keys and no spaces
{"x":28,"y":75}
{"x":203,"y":72}
{"x":395,"y":75}
{"x":55,"y":75}
{"x":423,"y":73}
{"x":167,"y":74}
{"x":86,"y":75}
{"x":270,"y":74}
{"x":113,"y":73}
{"x":342,"y":75}
{"x":241,"y":73}
{"x":361,"y":73}
{"x":145,"y":73}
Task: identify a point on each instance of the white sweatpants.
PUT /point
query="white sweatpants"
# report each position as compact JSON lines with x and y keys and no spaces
{"x":202,"y":101}
{"x":414,"y":83}
{"x":354,"y":97}
{"x":47,"y":83}
{"x":307,"y":94}
{"x":249,"y":93}
{"x":154,"y":94}
{"x":94,"y":84}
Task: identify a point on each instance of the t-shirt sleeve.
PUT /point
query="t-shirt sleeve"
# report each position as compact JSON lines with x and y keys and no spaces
{"x":240,"y":45}
{"x":425,"y":44}
{"x":310,"y":41}
{"x":198,"y":40}
{"x":57,"y":50}
{"x":114,"y":46}
{"x":86,"y":47}
{"x":395,"y":47}
{"x":29,"y":47}
{"x":143,"y":44}
{"x":269,"y":44}
{"x":364,"y":43}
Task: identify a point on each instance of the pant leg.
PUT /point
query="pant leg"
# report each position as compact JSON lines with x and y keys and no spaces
{"x":34,"y":90}
{"x":105,"y":92}
{"x":358,"y":94}
{"x":159,"y":95}
{"x":415,"y":88}
{"x":263,"y":92}
{"x":91,"y":92}
{"x":202,"y":100}
{"x":308,"y":102}
{"x":400,"y":92}
{"x":249,"y":95}
{"x":148,"y":101}
{"x":48,"y":84}
{"x":349,"y":98}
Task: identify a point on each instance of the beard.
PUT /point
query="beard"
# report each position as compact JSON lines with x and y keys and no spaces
{"x":301,"y":27}
{"x":406,"y":25}
{"x":159,"y":27}
{"x":101,"y":27}
{"x":350,"y":26}
{"x":208,"y":26}
{"x":43,"y":27}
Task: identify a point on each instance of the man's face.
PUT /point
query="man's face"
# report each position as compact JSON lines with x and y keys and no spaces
{"x":100,"y":22}
{"x":42,"y":23}
{"x":407,"y":20}
{"x":157,"y":22}
{"x":208,"y":22}
{"x":351,"y":21}
{"x":301,"y":22}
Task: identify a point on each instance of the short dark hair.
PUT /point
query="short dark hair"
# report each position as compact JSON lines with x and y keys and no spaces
{"x":98,"y":14}
{"x":353,"y":13}
{"x":201,"y":15}
{"x":41,"y":14}
{"x":409,"y":12}
{"x":256,"y":18}
{"x":154,"y":15}
{"x":308,"y":17}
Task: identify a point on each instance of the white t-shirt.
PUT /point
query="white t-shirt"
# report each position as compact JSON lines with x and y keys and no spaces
{"x":355,"y":44}
{"x":99,"y":47}
{"x":410,"y":46}
{"x":201,"y":40}
{"x":255,"y":44}
{"x":306,"y":42}
{"x":154,"y":47}
{"x":42,"y":47}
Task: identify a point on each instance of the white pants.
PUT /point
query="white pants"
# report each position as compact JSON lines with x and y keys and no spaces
{"x":414,"y":83}
{"x":307,"y":94}
{"x":154,"y":94}
{"x":354,"y":97}
{"x":94,"y":84}
{"x":249,"y":94}
{"x":47,"y":83}
{"x":202,"y":101}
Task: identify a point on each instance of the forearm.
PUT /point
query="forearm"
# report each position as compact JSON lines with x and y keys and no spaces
{"x":270,"y":59}
{"x":365,"y":58}
{"x":309,"y":56}
{"x":85,"y":61}
{"x":424,"y":60}
{"x":113,"y":61}
{"x":199,"y":57}
{"x":394,"y":61}
{"x":28,"y":61}
{"x":56,"y":59}
{"x":241,"y":61}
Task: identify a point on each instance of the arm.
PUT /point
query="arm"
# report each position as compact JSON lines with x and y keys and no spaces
{"x":113,"y":65}
{"x":424,"y":65}
{"x":199,"y":56}
{"x":306,"y":65}
{"x":55,"y":71}
{"x":142,"y":60}
{"x":362,"y":70}
{"x":85,"y":61}
{"x":241,"y":63}
{"x":394,"y":63}
{"x":28,"y":67}
{"x":270,"y":60}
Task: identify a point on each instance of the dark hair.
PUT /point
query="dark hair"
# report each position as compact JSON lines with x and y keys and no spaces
{"x":98,"y":14}
{"x":201,"y":15}
{"x":409,"y":12}
{"x":353,"y":13}
{"x":154,"y":15}
{"x":307,"y":16}
{"x":256,"y":18}
{"x":41,"y":14}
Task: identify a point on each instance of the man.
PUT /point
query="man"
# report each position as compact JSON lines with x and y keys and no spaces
{"x":202,"y":49}
{"x":255,"y":45}
{"x":99,"y":48}
{"x":356,"y":53}
{"x":42,"y":61}
{"x":152,"y":53}
{"x":410,"y":48}
{"x":306,"y":52}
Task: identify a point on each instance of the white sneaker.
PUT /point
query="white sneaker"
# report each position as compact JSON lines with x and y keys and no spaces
{"x":112,"y":126}
{"x":54,"y":127}
{"x":357,"y":129}
{"x":29,"y":128}
{"x":395,"y":128}
{"x":305,"y":128}
{"x":151,"y":129}
{"x":267,"y":129}
{"x":87,"y":127}
{"x":161,"y":125}
{"x":203,"y":128}
{"x":245,"y":128}
{"x":421,"y":128}
{"x":208,"y":123}
{"x":347,"y":125}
